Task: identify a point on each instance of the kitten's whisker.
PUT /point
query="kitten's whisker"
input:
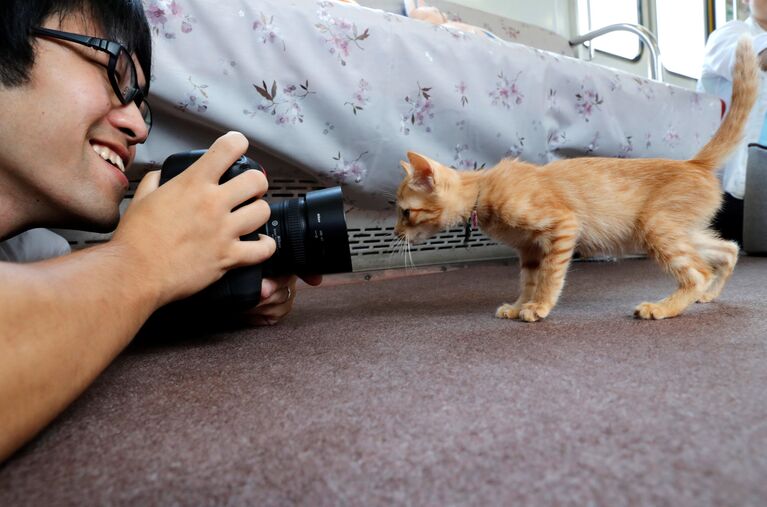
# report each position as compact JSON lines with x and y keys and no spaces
{"x":397,"y":248}
{"x":405,"y":250}
{"x":395,"y":245}
{"x":410,"y":254}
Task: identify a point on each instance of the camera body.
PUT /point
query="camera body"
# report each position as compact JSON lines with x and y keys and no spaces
{"x":310,"y":233}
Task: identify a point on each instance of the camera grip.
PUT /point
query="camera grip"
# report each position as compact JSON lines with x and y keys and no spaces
{"x":239,"y":288}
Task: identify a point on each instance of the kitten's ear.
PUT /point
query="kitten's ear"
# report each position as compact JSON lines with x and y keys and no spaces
{"x":423,"y":177}
{"x":406,"y":167}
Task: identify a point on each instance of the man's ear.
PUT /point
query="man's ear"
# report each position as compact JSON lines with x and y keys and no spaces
{"x":424,"y":172}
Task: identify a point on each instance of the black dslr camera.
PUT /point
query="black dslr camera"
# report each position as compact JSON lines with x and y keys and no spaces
{"x":310,"y":233}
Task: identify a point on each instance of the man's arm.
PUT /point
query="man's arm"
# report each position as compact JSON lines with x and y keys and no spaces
{"x":720,"y":49}
{"x":62,"y":321}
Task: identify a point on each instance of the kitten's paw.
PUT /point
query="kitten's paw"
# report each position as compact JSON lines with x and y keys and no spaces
{"x":711,"y":294}
{"x":507,"y":311}
{"x":650,"y":311}
{"x":533,"y":312}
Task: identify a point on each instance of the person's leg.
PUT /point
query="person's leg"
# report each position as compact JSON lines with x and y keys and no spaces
{"x":729,"y":220}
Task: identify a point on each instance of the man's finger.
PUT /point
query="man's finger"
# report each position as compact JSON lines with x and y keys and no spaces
{"x":254,"y":252}
{"x":312,"y":279}
{"x":148,"y":184}
{"x":278,"y":297}
{"x":249,"y":184}
{"x":273,"y":312}
{"x":278,"y":290}
{"x":251,"y":217}
{"x":223,"y":153}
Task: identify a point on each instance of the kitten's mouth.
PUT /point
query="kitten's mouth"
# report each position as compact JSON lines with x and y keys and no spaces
{"x":416,"y":239}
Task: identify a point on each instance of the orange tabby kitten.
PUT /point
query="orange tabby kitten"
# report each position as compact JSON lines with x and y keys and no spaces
{"x":594,"y":205}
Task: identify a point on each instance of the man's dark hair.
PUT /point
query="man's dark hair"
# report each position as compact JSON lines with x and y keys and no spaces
{"x":123,"y":21}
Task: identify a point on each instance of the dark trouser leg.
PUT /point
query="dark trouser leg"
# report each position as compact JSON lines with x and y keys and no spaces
{"x":729,"y":221}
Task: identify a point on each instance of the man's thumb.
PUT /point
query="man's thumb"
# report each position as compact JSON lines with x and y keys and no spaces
{"x":148,"y":184}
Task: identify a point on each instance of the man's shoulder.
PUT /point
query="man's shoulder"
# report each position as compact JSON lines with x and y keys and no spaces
{"x":33,"y":245}
{"x":731,"y":29}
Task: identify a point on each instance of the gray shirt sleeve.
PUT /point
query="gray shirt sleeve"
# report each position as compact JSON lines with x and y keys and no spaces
{"x":33,"y":245}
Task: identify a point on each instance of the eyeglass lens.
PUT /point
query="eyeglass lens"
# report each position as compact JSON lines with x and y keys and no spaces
{"x":127,"y":81}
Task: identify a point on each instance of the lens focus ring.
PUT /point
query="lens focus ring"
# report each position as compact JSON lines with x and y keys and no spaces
{"x":295,"y":225}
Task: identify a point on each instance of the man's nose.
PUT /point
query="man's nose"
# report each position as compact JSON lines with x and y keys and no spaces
{"x":129,"y":120}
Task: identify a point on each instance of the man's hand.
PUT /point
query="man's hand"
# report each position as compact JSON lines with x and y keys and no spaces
{"x":277,"y":296}
{"x":184,"y":235}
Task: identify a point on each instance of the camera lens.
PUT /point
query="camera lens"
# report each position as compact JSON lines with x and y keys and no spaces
{"x":310,"y":233}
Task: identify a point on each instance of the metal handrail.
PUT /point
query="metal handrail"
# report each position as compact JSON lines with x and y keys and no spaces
{"x":656,"y":69}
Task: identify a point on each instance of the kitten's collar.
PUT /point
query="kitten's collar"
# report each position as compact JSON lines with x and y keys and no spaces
{"x":471,"y":223}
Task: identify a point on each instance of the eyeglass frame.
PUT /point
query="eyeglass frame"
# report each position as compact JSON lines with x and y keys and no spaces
{"x":113,"y":49}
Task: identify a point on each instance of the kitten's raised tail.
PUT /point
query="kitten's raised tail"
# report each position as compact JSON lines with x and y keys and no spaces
{"x":745,"y":88}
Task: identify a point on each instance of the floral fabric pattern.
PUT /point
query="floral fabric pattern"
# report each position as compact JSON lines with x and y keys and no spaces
{"x":342,"y":92}
{"x":165,"y":16}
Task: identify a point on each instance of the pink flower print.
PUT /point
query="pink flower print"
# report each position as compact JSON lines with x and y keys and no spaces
{"x":461,"y":89}
{"x":420,"y":111}
{"x":338,"y":34}
{"x":626,"y":148}
{"x":463,"y":163}
{"x":196,"y":100}
{"x":697,"y":103}
{"x":155,"y":14}
{"x":160,"y":13}
{"x":643,"y":87}
{"x":506,"y":92}
{"x":587,"y":102}
{"x":593,"y":145}
{"x":285,"y":111}
{"x":552,"y":98}
{"x":346,"y":170}
{"x":360,"y":97}
{"x":516,"y":149}
{"x":267,"y":31}
{"x":556,"y":138}
{"x":672,"y":137}
{"x":341,"y":46}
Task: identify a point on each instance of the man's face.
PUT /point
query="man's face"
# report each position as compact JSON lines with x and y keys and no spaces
{"x":57,"y":128}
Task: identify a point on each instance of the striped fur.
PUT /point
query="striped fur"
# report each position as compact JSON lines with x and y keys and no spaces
{"x":593,"y":205}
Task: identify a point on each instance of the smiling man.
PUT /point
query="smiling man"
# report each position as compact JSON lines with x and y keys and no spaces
{"x":73,"y":90}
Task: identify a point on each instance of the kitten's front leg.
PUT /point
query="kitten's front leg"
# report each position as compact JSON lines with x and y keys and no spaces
{"x":529,"y":264}
{"x":551,"y":276}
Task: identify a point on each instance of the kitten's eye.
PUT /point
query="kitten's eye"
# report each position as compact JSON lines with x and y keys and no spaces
{"x":405,"y":214}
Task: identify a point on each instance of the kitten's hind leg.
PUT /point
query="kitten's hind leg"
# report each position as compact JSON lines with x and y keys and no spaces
{"x":693,"y":274}
{"x":529,"y":264}
{"x":721,"y":255}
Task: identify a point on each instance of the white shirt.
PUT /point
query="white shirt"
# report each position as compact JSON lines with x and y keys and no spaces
{"x":716,"y":79}
{"x":33,"y":245}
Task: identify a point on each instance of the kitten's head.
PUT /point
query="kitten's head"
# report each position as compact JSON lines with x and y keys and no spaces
{"x":424,"y":198}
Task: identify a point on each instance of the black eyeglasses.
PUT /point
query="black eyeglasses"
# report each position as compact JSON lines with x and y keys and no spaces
{"x":121,"y":69}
